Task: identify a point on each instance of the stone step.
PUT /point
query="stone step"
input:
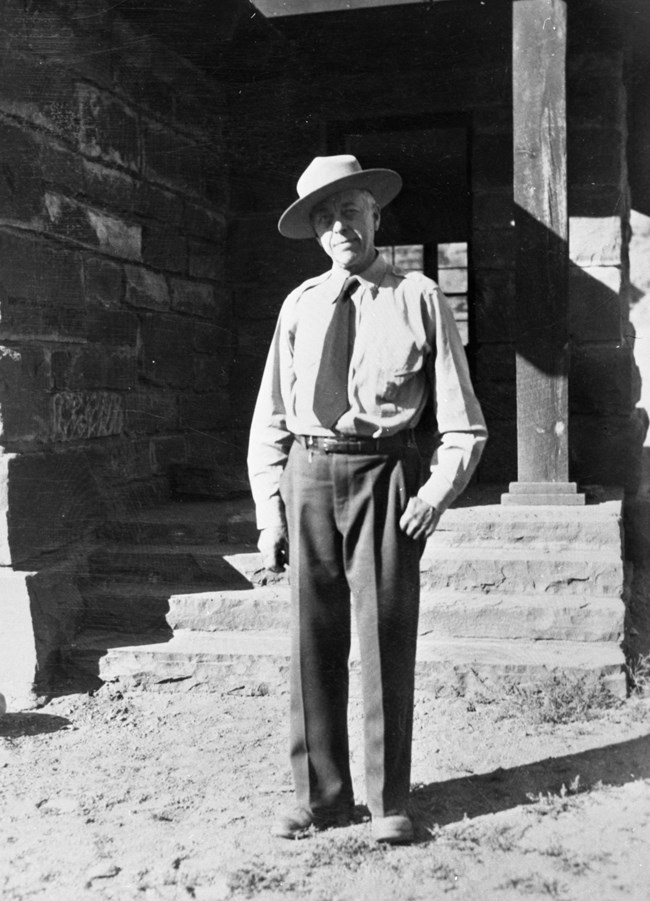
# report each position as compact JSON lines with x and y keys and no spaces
{"x":223,"y":661}
{"x":523,"y":570}
{"x":186,"y":522}
{"x":222,"y":566}
{"x":131,"y":607}
{"x":468,"y":568}
{"x":553,"y":528}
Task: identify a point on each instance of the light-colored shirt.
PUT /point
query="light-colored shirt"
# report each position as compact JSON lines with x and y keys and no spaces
{"x":406,"y":345}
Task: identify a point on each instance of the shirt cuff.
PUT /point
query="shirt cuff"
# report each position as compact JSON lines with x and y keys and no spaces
{"x":270,"y":514}
{"x":437,"y":494}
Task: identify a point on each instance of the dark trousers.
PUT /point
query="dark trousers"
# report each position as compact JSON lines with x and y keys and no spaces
{"x":343,"y":513}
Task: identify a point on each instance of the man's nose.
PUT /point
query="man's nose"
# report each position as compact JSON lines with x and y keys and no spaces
{"x":338,"y":225}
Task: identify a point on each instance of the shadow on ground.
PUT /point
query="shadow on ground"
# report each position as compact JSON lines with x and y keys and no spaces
{"x":15,"y":725}
{"x":448,"y":802}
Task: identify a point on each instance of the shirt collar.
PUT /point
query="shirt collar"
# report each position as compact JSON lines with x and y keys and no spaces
{"x":370,"y":278}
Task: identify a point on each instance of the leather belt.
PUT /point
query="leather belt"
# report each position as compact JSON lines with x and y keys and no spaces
{"x":349,"y":445}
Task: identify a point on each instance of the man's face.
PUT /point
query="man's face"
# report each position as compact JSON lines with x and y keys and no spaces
{"x":345,"y":226}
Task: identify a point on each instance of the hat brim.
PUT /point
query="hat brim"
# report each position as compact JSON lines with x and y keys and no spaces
{"x":383,"y":184}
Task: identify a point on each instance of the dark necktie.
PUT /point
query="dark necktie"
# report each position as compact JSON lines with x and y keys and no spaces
{"x":331,"y":391}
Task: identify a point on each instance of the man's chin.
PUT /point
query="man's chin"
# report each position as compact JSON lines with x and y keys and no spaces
{"x":347,"y":260}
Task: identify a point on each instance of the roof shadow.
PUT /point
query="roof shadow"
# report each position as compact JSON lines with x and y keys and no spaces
{"x":451,"y":801}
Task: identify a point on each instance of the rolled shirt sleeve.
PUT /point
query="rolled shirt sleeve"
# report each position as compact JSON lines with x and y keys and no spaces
{"x":461,"y":426}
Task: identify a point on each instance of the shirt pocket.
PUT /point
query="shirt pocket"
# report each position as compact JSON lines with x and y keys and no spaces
{"x":397,"y":362}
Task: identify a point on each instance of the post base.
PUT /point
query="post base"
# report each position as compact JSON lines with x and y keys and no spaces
{"x":531,"y":494}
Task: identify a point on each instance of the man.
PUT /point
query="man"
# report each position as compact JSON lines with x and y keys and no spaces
{"x":336,"y":478}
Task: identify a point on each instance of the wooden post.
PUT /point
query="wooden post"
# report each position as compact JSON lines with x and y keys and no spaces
{"x":541,"y":227}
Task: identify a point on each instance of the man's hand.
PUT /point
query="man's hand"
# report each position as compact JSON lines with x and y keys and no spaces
{"x":274,"y":547}
{"x":420,"y":519}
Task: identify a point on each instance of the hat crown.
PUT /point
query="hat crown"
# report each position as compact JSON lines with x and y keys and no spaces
{"x":324,"y":170}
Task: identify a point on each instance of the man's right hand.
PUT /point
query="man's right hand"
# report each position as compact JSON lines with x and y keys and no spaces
{"x":274,"y":547}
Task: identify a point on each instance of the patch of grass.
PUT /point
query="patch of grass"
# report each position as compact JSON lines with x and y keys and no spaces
{"x":550,"y":803}
{"x":559,"y":700}
{"x":257,"y":877}
{"x":350,"y":852}
{"x":638,"y":673}
{"x":536,"y":884}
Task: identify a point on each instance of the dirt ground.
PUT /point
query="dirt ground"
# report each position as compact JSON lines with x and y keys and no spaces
{"x":126,"y":794}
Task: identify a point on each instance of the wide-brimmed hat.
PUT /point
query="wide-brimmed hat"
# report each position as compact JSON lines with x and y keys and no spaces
{"x":327,"y":175}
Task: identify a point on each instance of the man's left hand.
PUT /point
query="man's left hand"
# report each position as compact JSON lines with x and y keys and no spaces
{"x":420,"y":519}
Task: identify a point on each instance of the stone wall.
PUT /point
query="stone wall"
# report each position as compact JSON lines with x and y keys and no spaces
{"x":605,"y":433}
{"x":115,"y":320}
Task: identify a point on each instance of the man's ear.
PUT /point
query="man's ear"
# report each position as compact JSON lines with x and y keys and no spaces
{"x":377,"y":218}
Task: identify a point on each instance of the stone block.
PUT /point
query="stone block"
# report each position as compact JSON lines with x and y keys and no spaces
{"x":195,"y":298}
{"x":596,"y":201}
{"x":209,"y":449}
{"x":492,"y":208}
{"x":21,"y":185}
{"x":499,"y":461}
{"x":109,"y":188}
{"x":52,"y":501}
{"x":606,"y":450}
{"x":204,"y":222}
{"x":150,"y":412}
{"x":594,"y":303}
{"x":205,"y":411}
{"x":107,"y":128}
{"x":38,"y":272}
{"x":595,"y":241}
{"x":61,"y":169}
{"x":217,"y":481}
{"x":206,"y":260}
{"x":595,"y":90}
{"x":57,"y":608}
{"x":496,"y":362}
{"x":93,"y":367}
{"x":69,"y":220}
{"x":494,"y":248}
{"x":255,"y":247}
{"x":78,"y":415}
{"x":136,"y":75}
{"x":163,"y":248}
{"x":113,"y":328}
{"x":118,"y":464}
{"x":171,"y":159}
{"x":494,"y":305}
{"x":164,"y":353}
{"x":155,"y":203}
{"x":117,"y":237}
{"x":21,"y":321}
{"x":210,"y":373}
{"x":77,"y":222}
{"x":167,"y":451}
{"x":596,"y":157}
{"x":492,"y":160}
{"x":498,"y":400}
{"x":17,"y":641}
{"x":601,"y":380}
{"x":146,"y":289}
{"x":212,"y":339}
{"x":24,"y":383}
{"x":245,"y":378}
{"x":39,"y":92}
{"x":103,"y":282}
{"x":217,"y":182}
{"x":251,"y":303}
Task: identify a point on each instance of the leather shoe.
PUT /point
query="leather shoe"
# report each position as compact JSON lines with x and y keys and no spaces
{"x":396,"y":829}
{"x":297,"y":822}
